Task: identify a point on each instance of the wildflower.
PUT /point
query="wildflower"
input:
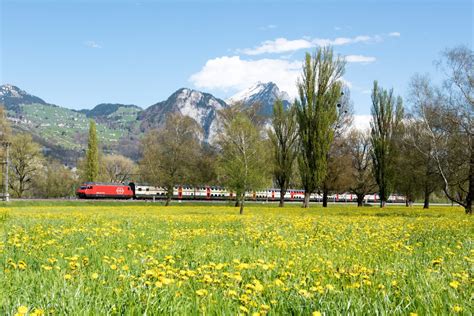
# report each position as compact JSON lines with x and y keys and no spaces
{"x":22,"y":310}
{"x":316,"y":313}
{"x":37,"y":312}
{"x":279,"y":282}
{"x":454,"y":284}
{"x":67,"y":277}
{"x":244,"y":309}
{"x":113,"y":266}
{"x":201,"y":292}
{"x":457,"y":308}
{"x":94,"y":276}
{"x":22,"y":265}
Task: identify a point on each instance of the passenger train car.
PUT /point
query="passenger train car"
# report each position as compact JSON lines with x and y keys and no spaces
{"x":91,"y":190}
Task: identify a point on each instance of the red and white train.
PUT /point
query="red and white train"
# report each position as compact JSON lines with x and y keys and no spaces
{"x":97,"y":190}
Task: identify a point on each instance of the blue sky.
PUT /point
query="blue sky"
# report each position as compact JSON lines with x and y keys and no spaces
{"x":81,"y":53}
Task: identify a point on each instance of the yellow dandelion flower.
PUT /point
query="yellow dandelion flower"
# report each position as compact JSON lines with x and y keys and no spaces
{"x":22,"y":265}
{"x":279,"y":282}
{"x":454,"y":284}
{"x":244,"y":309}
{"x":67,"y":277}
{"x":316,"y":313}
{"x":37,"y":312}
{"x":94,"y":276}
{"x":201,"y":292}
{"x":113,"y":266}
{"x":457,"y":308}
{"x":22,"y":310}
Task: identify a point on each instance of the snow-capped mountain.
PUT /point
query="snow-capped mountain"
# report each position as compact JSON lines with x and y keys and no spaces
{"x":264,"y":93}
{"x":200,"y":106}
{"x":11,"y":97}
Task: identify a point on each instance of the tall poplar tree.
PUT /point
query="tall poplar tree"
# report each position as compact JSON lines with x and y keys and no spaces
{"x":316,"y":112}
{"x":387,"y":114}
{"x":284,"y":140}
{"x":92,"y":154}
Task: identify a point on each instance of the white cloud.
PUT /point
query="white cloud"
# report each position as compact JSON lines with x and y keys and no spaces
{"x":359,"y":59}
{"x":233,"y":73}
{"x":362,"y":122}
{"x":282,"y":45}
{"x":394,"y":34}
{"x":92,"y":44}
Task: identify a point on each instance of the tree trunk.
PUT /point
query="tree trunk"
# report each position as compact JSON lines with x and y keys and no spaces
{"x":306,"y":199}
{"x":360,"y":200}
{"x":325,"y":198}
{"x":282,"y":201}
{"x":169,"y":195}
{"x":382,"y":200}
{"x":426,"y":203}
{"x":242,"y":201}
{"x":407,"y":202}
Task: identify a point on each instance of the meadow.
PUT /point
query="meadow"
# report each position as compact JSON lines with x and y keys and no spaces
{"x":143,"y":258}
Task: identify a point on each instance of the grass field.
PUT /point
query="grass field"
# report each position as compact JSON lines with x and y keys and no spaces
{"x":122,"y":258}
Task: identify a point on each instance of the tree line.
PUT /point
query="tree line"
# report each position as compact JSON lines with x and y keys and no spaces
{"x":416,"y":151}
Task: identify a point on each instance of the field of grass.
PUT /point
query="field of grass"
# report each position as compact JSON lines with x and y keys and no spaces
{"x":95,"y":259}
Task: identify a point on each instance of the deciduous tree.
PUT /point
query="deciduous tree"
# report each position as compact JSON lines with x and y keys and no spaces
{"x":92,"y":154}
{"x":363,"y":181}
{"x":387,"y":115}
{"x":169,"y":154}
{"x":117,"y":168}
{"x":284,"y":140}
{"x":25,"y":162}
{"x":243,"y":164}
{"x":319,"y":92}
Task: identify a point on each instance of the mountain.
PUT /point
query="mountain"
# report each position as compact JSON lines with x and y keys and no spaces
{"x":200,"y":106}
{"x":11,"y":97}
{"x":263,"y":93}
{"x":106,"y":109}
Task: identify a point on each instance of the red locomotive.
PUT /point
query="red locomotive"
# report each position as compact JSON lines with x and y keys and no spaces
{"x":91,"y":190}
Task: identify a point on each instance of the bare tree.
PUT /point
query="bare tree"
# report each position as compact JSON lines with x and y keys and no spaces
{"x":363,"y":181}
{"x":446,"y":116}
{"x":116,"y":168}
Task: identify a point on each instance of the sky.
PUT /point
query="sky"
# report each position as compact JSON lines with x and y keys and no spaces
{"x":81,"y":53}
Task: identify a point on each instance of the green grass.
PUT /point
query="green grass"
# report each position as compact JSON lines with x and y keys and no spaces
{"x":133,"y":258}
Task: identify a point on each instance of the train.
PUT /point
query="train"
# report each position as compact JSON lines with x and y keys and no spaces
{"x":99,"y":190}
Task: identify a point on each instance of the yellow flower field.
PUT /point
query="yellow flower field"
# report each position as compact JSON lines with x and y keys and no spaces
{"x":143,"y":258}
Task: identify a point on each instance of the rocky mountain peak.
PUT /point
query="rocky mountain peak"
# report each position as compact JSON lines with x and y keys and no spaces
{"x":263,"y":93}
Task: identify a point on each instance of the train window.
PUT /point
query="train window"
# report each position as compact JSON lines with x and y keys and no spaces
{"x":89,"y":187}
{"x":147,"y":189}
{"x":83,"y":188}
{"x":139,"y":189}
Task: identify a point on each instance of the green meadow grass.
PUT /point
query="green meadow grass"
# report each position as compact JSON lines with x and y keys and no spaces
{"x":130,"y":258}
